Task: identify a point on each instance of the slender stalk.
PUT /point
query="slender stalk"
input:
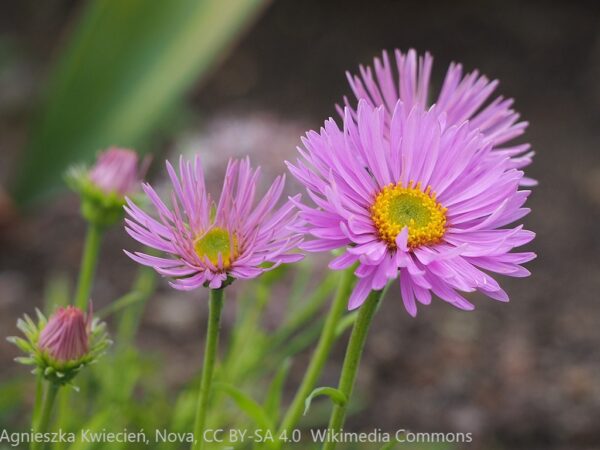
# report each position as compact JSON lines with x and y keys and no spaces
{"x":39,"y":398}
{"x":41,"y":425}
{"x":210,"y":356}
{"x":351,"y":364}
{"x":64,"y":412}
{"x":321,"y":353}
{"x":89,"y":260}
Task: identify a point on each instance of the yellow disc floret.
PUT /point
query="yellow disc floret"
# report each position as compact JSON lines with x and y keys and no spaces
{"x":396,"y":207}
{"x":217,"y":240}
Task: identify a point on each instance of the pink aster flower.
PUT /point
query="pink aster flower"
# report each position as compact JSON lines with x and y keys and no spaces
{"x":424,"y":201}
{"x":117,"y":170}
{"x":462,"y":97}
{"x":211,"y":244}
{"x":65,"y":336}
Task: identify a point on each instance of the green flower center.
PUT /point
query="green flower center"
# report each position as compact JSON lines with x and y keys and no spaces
{"x":217,"y":240}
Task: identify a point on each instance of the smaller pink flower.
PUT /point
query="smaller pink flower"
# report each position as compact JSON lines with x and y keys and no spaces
{"x":65,"y":337}
{"x":117,"y":170}
{"x":211,"y":244}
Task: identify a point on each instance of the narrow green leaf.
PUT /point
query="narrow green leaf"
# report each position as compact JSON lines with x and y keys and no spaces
{"x":334,"y":394}
{"x":121,"y":303}
{"x":126,"y":65}
{"x":249,"y":406}
{"x":346,"y":322}
{"x":273,"y":400}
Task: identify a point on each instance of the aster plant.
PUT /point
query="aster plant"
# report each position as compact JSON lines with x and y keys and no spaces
{"x":210,"y":245}
{"x":414,"y":198}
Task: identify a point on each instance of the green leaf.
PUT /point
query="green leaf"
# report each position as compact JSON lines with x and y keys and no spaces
{"x":126,"y":65}
{"x":273,"y":400}
{"x":336,"y":396}
{"x":184,"y":410}
{"x":249,"y":406}
{"x":346,"y":322}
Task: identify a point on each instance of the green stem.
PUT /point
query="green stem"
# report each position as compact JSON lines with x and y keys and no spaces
{"x":321,"y":353}
{"x":42,"y":424}
{"x":351,"y":363}
{"x":89,"y":260}
{"x":63,"y":413}
{"x":39,"y":398}
{"x":210,"y":356}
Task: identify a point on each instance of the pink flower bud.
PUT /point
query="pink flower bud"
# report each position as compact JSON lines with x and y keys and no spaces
{"x":65,"y":336}
{"x":116,"y":170}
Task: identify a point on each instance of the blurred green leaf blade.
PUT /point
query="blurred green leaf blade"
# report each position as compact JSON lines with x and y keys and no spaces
{"x":126,"y":65}
{"x":249,"y":406}
{"x":275,"y":392}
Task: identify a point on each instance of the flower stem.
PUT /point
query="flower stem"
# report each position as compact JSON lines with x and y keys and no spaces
{"x":321,"y":353}
{"x":41,"y":425}
{"x":89,"y":261}
{"x":210,"y":355}
{"x":39,"y":398}
{"x":351,"y":363}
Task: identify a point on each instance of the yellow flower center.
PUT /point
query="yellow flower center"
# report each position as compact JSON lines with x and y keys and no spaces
{"x":217,"y":240}
{"x":397,"y":207}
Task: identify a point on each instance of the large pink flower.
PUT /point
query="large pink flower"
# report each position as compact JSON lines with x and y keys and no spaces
{"x":208,"y":244}
{"x":416,"y":197}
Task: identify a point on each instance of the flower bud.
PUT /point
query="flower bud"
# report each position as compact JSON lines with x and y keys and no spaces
{"x":116,"y":174}
{"x":61,"y":346}
{"x":116,"y":171}
{"x":65,"y":336}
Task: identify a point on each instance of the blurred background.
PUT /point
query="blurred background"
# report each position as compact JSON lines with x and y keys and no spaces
{"x":236,"y":77}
